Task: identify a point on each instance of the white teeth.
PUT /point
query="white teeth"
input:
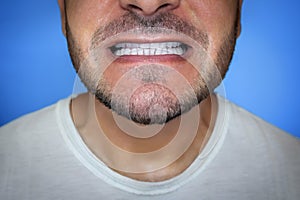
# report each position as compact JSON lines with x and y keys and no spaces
{"x":145,"y":46}
{"x":140,"y":51}
{"x":149,"y":49}
{"x":132,"y":52}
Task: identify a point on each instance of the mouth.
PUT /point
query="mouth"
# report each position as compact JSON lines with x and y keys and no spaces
{"x":149,"y":49}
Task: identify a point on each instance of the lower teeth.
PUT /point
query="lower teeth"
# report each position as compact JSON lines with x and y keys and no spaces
{"x":149,"y":52}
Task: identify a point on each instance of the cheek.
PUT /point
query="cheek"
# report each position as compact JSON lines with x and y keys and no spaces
{"x":208,"y":15}
{"x":85,"y":17}
{"x":216,"y":18}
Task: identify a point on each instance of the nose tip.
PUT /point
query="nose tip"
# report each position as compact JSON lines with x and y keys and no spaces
{"x":149,"y":7}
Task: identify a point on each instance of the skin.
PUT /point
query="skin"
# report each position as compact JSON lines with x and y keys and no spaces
{"x":217,"y":18}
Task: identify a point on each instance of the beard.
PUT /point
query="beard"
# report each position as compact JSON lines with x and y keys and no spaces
{"x":146,"y":94}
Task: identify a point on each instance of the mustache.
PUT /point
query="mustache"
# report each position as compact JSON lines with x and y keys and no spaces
{"x":161,"y":23}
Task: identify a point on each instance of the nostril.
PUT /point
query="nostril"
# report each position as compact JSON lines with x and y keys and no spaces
{"x":149,"y":7}
{"x":150,"y":11}
{"x":134,"y":7}
{"x":163,"y":6}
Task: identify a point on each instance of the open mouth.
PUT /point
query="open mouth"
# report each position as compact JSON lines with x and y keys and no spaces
{"x":149,"y":49}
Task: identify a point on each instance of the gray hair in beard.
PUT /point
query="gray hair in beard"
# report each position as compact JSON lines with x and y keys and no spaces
{"x":156,"y":24}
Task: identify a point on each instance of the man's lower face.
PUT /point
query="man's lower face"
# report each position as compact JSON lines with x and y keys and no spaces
{"x":149,"y":93}
{"x":153,"y":70}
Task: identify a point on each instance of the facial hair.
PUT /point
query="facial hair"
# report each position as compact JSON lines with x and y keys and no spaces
{"x":163,"y":105}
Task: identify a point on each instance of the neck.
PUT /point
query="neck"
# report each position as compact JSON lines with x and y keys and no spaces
{"x":143,"y":152}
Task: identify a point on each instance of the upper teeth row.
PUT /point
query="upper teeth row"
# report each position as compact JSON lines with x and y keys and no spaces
{"x":164,"y":48}
{"x":149,"y":45}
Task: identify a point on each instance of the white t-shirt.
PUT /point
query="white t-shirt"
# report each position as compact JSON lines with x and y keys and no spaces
{"x":42,"y":156}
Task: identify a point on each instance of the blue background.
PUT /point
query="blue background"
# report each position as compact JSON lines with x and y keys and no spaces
{"x":264,"y":76}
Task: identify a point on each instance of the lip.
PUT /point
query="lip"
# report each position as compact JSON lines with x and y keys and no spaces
{"x":149,"y":59}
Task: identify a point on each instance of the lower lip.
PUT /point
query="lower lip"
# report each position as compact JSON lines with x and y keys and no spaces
{"x":152,"y":59}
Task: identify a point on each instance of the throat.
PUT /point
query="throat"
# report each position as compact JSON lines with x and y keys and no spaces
{"x":119,"y":150}
{"x":166,"y":173}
